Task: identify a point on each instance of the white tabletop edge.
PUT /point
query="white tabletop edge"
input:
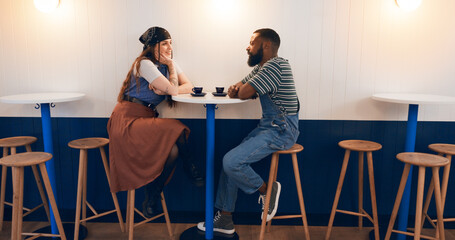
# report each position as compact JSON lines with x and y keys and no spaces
{"x":207,"y":99}
{"x":413,"y":98}
{"x":45,"y":97}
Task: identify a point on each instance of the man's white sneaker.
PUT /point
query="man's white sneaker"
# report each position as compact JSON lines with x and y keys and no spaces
{"x":221,"y":223}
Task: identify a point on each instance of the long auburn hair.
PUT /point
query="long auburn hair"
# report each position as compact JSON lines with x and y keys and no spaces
{"x":147,"y":53}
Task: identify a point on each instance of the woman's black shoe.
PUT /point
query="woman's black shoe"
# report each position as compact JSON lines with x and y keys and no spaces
{"x":194,"y":174}
{"x":150,"y":206}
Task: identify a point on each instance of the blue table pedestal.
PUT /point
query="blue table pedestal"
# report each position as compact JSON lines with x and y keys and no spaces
{"x":210,"y":158}
{"x":411,"y":133}
{"x":194,"y":233}
{"x":49,"y":148}
{"x":403,"y":212}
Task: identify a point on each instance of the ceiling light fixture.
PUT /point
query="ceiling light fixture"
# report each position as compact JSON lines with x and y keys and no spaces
{"x":46,"y":6}
{"x":408,"y":5}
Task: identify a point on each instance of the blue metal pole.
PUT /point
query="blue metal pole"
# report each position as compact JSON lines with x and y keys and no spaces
{"x":49,"y":147}
{"x":210,"y":155}
{"x":411,"y":132}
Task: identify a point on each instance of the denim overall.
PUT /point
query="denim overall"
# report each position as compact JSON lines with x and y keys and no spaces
{"x":276,"y":131}
{"x":145,"y":94}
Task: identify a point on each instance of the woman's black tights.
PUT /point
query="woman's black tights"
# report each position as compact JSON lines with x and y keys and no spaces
{"x":154,"y":189}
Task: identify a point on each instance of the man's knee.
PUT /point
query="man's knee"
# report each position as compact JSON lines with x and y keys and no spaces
{"x":230,"y":164}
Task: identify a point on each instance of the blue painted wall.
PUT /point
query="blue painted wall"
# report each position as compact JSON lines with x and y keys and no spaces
{"x":319,"y":163}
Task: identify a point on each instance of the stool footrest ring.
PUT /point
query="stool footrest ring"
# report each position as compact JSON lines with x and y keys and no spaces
{"x":146,"y":219}
{"x":98,"y":215}
{"x":36,"y":235}
{"x":29,"y":211}
{"x":412,"y":234}
{"x":287,"y":216}
{"x":363,"y":214}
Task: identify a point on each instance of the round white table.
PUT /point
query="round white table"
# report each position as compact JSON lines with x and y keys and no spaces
{"x":45,"y":101}
{"x":413,"y":100}
{"x":210,"y":103}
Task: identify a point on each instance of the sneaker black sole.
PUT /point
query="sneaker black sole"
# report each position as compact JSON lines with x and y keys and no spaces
{"x":201,"y":227}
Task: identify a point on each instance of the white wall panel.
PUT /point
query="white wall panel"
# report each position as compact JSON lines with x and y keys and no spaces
{"x":338,"y":103}
{"x":341,"y":51}
{"x":327,"y":60}
{"x":299,"y":57}
{"x":313,"y":76}
{"x":367,"y":71}
{"x":354,"y":95}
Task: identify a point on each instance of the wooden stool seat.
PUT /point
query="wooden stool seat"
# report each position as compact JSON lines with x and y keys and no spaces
{"x":88,"y":143}
{"x":360,"y":145}
{"x":422,"y":159}
{"x":25,"y":159}
{"x":17,"y":162}
{"x":83,"y":145}
{"x":296,"y":148}
{"x":443,"y":148}
{"x":17,"y":141}
{"x":9,"y":145}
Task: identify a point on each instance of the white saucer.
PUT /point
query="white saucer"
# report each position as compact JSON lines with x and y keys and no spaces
{"x":198,"y":94}
{"x":219,"y":94}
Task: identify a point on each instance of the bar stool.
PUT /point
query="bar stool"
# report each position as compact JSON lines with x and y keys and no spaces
{"x":360,"y":146}
{"x":272,"y":178}
{"x":83,"y":145}
{"x":17,"y":162}
{"x":130,"y":209}
{"x":442,"y":149}
{"x":10,"y":144}
{"x":422,"y":160}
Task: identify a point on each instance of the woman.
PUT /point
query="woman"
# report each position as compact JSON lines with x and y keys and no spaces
{"x":143,"y":148}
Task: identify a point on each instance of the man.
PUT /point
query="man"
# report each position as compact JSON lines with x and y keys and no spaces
{"x":272,"y":80}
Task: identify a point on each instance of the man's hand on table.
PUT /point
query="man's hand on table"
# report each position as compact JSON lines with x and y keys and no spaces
{"x":233,"y":91}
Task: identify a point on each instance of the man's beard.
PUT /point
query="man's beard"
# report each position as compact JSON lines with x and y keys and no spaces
{"x":255,"y":59}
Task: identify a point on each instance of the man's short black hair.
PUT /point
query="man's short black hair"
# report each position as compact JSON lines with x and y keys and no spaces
{"x":270,"y":35}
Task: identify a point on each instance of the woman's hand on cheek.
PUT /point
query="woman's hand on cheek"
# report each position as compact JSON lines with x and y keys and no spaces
{"x":165,"y":59}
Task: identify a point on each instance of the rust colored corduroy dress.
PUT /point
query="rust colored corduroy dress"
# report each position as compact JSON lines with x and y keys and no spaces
{"x":139,"y":144}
